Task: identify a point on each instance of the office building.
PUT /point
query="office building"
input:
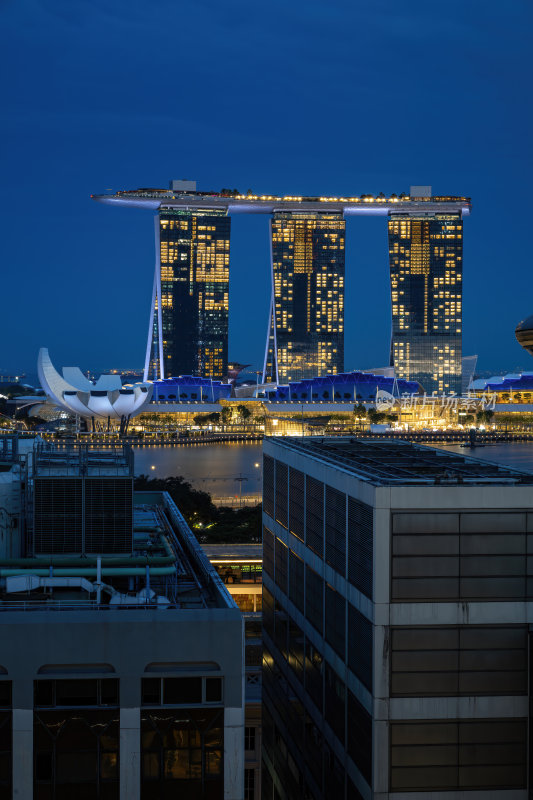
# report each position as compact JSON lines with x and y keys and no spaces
{"x":188,"y":332}
{"x":426,"y":270}
{"x":122,"y":666}
{"x":306,"y":328}
{"x":396,"y":581}
{"x":14,"y":454}
{"x":240,"y":568}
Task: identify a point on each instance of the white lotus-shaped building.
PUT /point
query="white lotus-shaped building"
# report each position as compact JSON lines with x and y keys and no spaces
{"x":105,"y":399}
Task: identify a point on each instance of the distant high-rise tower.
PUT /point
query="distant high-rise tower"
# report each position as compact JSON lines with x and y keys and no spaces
{"x":188,"y":332}
{"x":306,"y":324}
{"x":426,"y":266}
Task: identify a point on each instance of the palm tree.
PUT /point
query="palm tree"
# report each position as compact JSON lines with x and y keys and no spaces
{"x":226,"y":414}
{"x":244,"y":412}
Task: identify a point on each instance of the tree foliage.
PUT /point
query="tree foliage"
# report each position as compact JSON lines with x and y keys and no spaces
{"x":207,"y":419}
{"x":244,"y":412}
{"x":208,"y":522}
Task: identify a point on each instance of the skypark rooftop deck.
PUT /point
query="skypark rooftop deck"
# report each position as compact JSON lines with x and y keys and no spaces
{"x":365,"y":205}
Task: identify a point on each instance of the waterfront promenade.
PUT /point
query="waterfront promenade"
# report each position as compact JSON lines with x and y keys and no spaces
{"x":449,"y":437}
{"x":171,"y":440}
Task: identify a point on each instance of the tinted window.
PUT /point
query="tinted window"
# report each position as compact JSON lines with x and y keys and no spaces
{"x":178,"y":691}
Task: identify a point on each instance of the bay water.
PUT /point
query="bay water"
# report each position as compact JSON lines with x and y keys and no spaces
{"x":222,"y":469}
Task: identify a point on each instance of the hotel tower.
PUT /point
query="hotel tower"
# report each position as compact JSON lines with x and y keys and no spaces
{"x":189,"y":316}
{"x":306,"y":321}
{"x":426,"y":269}
{"x":188,"y":332}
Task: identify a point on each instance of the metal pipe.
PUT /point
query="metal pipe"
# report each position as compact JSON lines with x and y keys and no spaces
{"x":72,"y":561}
{"x":98,"y":578}
{"x":147,"y":583}
{"x":88,"y":571}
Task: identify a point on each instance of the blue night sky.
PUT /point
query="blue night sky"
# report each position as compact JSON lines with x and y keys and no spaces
{"x":335,"y":98}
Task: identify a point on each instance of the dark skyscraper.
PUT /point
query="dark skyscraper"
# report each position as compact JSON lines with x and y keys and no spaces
{"x":389,"y":668}
{"x":306,"y":334}
{"x":193,"y":275}
{"x":426,"y":266}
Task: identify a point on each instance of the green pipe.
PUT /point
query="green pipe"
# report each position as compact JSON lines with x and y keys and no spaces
{"x":72,"y":561}
{"x":84,"y":572}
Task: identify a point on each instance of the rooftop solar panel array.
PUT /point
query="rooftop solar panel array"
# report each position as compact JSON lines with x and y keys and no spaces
{"x":400,"y":462}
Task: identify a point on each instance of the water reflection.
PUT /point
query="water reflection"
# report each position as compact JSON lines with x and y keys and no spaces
{"x":214,"y":468}
{"x":513,"y":454}
{"x":219,"y":468}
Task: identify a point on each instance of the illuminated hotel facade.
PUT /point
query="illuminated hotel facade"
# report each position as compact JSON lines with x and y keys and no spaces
{"x":426,"y":267}
{"x":306,"y":321}
{"x":188,"y":331}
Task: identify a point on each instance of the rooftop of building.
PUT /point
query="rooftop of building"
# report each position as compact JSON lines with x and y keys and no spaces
{"x":512,"y":382}
{"x":394,"y":463}
{"x":234,"y":553}
{"x":166,"y":569}
{"x":366,"y":204}
{"x":79,"y":459}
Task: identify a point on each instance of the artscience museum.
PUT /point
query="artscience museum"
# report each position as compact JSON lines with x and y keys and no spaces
{"x":107,"y":399}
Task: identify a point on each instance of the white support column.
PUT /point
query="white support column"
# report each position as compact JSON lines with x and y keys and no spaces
{"x":130,"y":753}
{"x":269,"y":329}
{"x":158,"y":293}
{"x":22,"y":754}
{"x":233,"y":753}
{"x":149,"y":344}
{"x":272,"y":319}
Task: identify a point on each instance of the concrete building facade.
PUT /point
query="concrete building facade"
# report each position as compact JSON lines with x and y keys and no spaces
{"x":240,"y":568}
{"x":396,"y":588}
{"x":121,"y":671}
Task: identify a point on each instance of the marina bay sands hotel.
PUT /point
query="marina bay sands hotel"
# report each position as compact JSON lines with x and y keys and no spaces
{"x":188,"y":330}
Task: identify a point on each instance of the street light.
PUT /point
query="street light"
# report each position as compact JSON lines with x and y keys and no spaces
{"x":240,"y":479}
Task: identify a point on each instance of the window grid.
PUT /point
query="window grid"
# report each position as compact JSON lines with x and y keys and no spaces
{"x":314,"y":599}
{"x":336,"y":530}
{"x":297,"y":503}
{"x":314,"y":515}
{"x":249,"y":738}
{"x":454,"y":755}
{"x":360,"y":545}
{"x":282,"y":493}
{"x":459,"y":660}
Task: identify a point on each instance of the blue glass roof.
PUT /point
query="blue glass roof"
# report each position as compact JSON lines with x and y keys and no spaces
{"x":345,"y":385}
{"x":522,"y":383}
{"x":189,"y":387}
